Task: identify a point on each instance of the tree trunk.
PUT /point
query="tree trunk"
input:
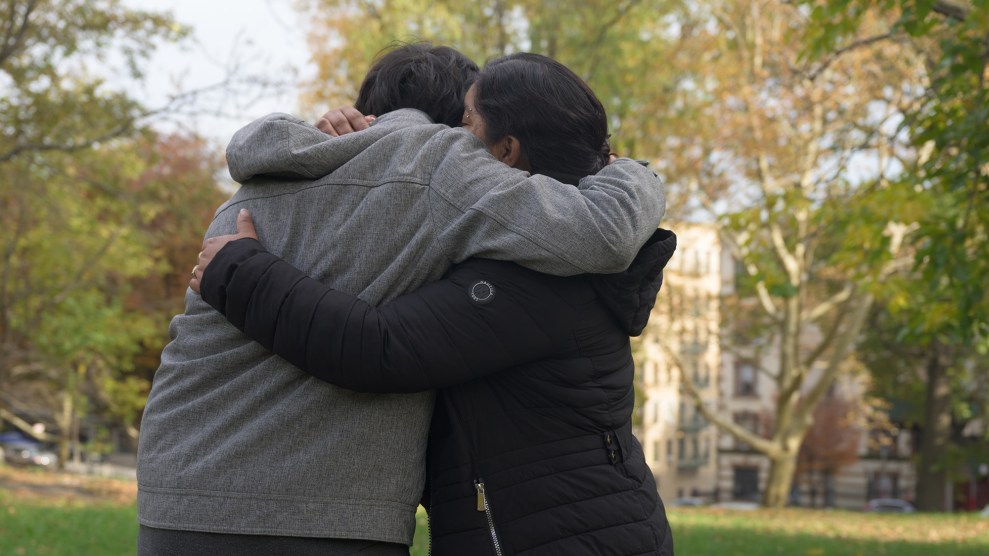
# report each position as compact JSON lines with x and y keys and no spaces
{"x":932,"y":476}
{"x":64,"y":430}
{"x":780,"y":480}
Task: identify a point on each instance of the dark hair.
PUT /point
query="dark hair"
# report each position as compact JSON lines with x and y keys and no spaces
{"x":560,"y":123}
{"x":433,"y":79}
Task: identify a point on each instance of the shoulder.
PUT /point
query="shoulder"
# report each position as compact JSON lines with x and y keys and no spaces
{"x":490,"y":268}
{"x":410,"y":134}
{"x":485,"y":280}
{"x":454,"y":141}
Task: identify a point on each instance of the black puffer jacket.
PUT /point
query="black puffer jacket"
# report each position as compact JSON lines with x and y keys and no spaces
{"x":537,"y":459}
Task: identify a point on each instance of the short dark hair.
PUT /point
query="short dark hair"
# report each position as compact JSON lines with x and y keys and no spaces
{"x":557,"y":118}
{"x":430,"y":78}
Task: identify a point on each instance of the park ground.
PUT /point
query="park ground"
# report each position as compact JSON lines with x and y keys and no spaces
{"x":44,"y":513}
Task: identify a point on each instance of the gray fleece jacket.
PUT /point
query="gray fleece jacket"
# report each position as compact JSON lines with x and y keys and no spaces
{"x":236,"y":440}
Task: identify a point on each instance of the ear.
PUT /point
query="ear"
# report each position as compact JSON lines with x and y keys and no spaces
{"x":509,"y":150}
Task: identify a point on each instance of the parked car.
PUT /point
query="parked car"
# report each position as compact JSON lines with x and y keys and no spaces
{"x":690,"y":502}
{"x":737,"y":505}
{"x":889,"y":506}
{"x":27,"y":453}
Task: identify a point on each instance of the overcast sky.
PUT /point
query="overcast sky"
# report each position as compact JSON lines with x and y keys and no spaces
{"x":263,"y":37}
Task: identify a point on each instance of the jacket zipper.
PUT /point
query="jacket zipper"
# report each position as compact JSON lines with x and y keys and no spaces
{"x":484,"y":506}
{"x":429,"y":529}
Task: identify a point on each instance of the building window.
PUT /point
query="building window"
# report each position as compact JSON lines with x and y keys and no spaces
{"x":746,"y":379}
{"x":883,"y":445}
{"x":705,"y":332}
{"x":669,"y":450}
{"x":695,"y":306}
{"x":702,"y":374}
{"x":746,"y":483}
{"x":750,"y":422}
{"x":883,"y":485}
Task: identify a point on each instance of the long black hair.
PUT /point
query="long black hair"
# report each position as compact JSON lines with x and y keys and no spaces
{"x":430,"y":78}
{"x":557,"y":118}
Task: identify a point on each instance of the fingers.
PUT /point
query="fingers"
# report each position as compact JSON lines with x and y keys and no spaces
{"x":245,"y":224}
{"x":194,"y":281}
{"x":212,"y":245}
{"x":325,"y":126}
{"x":341,"y":121}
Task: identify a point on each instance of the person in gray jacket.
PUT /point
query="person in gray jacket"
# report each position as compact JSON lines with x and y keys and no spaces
{"x":240,"y":453}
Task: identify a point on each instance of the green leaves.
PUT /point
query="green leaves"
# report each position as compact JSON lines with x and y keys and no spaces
{"x":939,"y":307}
{"x":86,"y":255}
{"x":948,"y":124}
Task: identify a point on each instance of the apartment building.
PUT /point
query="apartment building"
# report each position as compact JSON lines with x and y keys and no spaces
{"x":680,"y":446}
{"x":692,"y":458}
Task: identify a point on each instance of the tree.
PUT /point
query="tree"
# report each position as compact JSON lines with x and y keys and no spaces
{"x":940,"y":390}
{"x":77,"y":233}
{"x":942,"y":307}
{"x":831,"y":443}
{"x":763,"y":141}
{"x":85,"y":307}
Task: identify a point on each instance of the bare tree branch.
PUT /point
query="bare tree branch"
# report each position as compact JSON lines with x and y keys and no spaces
{"x":829,"y":304}
{"x":956,"y":10}
{"x":24,"y":426}
{"x":125,"y":127}
{"x":782,"y":252}
{"x":740,"y":252}
{"x":860,"y":43}
{"x":843,"y":346}
{"x":825,"y":342}
{"x":597,"y":52}
{"x":15,"y":28}
{"x":756,"y":442}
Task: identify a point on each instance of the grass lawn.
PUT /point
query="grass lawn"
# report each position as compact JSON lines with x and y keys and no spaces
{"x":794,"y":532}
{"x":44,"y":513}
{"x":60,"y":515}
{"x":30,"y":528}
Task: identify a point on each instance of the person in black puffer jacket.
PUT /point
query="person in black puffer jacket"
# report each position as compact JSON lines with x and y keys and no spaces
{"x":530,"y":450}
